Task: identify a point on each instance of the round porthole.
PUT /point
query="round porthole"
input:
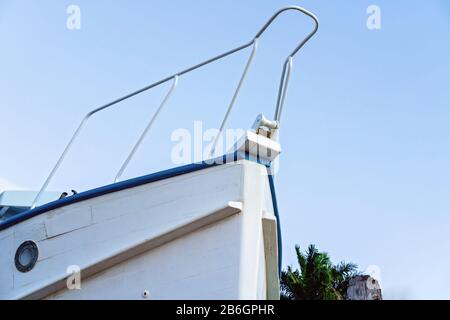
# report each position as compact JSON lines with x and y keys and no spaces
{"x":26,"y":256}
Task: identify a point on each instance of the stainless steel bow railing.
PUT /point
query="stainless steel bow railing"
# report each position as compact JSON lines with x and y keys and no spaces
{"x":285,"y":76}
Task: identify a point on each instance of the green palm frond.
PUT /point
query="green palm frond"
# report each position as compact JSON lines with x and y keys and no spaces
{"x":317,"y":278}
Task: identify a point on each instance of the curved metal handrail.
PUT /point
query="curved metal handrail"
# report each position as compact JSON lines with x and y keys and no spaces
{"x":254,"y":41}
{"x":147,"y":128}
{"x":284,"y":79}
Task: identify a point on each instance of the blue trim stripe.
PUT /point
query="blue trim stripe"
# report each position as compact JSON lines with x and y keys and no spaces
{"x":166,"y":174}
{"x":105,"y":190}
{"x":277,"y":215}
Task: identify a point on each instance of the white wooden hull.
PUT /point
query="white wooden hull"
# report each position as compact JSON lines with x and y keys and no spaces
{"x":207,"y":234}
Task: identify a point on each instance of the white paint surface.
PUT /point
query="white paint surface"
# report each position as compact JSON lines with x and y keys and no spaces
{"x":195,"y":236}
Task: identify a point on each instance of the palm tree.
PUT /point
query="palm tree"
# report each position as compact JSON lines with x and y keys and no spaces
{"x":317,"y":279}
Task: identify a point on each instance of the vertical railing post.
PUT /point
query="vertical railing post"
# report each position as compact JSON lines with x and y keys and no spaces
{"x":236,"y":93}
{"x":147,"y":128}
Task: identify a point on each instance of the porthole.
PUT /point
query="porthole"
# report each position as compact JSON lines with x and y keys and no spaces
{"x":26,"y":256}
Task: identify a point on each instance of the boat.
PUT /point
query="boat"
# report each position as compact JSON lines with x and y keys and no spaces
{"x":206,"y":230}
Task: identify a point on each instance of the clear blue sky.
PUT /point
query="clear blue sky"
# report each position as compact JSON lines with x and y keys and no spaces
{"x":365,"y":169}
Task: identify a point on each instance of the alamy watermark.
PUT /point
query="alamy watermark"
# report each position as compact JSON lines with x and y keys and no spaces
{"x":74,"y":279}
{"x":374,"y":19}
{"x":73,"y":21}
{"x":213,"y":147}
{"x":198,"y":146}
{"x":374,"y":272}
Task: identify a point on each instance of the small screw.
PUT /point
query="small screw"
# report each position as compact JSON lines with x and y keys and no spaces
{"x":145,"y":294}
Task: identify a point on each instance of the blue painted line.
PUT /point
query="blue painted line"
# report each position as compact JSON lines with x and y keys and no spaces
{"x":105,"y":190}
{"x":277,"y":215}
{"x":166,"y":174}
